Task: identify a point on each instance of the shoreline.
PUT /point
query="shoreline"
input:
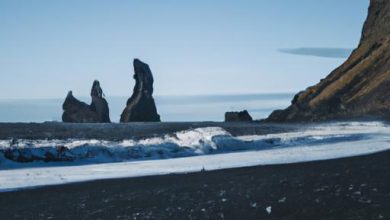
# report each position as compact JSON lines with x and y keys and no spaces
{"x":348,"y":188}
{"x":135,"y":130}
{"x":57,"y":173}
{"x":141,"y":130}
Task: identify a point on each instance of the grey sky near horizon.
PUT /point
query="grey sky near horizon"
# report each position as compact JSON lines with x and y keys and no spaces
{"x":192,"y":47}
{"x":319,"y":52}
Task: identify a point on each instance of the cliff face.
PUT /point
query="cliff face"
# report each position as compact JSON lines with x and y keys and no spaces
{"x":358,"y":88}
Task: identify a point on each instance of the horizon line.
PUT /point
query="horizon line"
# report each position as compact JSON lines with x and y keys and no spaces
{"x":161,"y":95}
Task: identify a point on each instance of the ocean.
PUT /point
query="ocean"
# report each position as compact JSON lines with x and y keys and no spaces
{"x":170,"y":108}
{"x":34,"y":162}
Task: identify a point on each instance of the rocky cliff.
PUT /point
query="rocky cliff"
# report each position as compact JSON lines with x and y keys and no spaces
{"x":140,"y":106}
{"x":360,"y":87}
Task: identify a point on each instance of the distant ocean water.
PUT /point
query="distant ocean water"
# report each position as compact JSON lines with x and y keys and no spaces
{"x":170,"y":108}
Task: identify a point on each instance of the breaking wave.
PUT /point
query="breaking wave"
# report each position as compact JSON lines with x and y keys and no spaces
{"x":199,"y":141}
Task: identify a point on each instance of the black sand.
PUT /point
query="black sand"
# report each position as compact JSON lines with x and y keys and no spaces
{"x":350,"y":188}
{"x":115,"y":131}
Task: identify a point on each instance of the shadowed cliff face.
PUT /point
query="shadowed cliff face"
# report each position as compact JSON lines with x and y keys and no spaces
{"x":141,"y":106}
{"x":360,"y":87}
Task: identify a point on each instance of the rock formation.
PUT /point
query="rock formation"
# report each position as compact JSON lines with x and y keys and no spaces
{"x":360,"y":87}
{"x":238,"y":116}
{"x":99,"y":103}
{"x":79,"y":112}
{"x":140,"y":106}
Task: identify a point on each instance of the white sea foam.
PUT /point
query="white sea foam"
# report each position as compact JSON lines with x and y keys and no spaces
{"x":213,"y":147}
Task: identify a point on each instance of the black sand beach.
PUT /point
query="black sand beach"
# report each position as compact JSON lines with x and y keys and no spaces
{"x":51,"y":53}
{"x":349,"y":188}
{"x":135,"y":130}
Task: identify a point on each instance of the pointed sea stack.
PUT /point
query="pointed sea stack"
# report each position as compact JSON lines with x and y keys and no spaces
{"x":140,"y":106}
{"x":359,"y":88}
{"x":76,"y":111}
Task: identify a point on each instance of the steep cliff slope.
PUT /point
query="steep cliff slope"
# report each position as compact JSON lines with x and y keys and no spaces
{"x":358,"y":88}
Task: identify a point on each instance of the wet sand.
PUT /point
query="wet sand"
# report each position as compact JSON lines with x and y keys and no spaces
{"x":349,"y":188}
{"x":136,"y":130}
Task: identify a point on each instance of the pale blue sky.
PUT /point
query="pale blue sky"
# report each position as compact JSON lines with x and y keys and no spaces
{"x":193,"y":47}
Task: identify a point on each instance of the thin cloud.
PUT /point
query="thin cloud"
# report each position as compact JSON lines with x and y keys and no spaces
{"x":319,"y":52}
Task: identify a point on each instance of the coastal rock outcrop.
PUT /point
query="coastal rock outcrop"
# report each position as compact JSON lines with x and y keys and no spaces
{"x":140,"y":106}
{"x":360,"y":87}
{"x":79,"y":112}
{"x":237,"y":116}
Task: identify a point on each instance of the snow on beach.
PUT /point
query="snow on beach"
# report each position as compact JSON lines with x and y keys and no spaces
{"x":192,"y":150}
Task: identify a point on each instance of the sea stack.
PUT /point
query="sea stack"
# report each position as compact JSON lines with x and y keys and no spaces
{"x":140,"y":106}
{"x":360,"y":87}
{"x":237,"y":116}
{"x":76,"y":111}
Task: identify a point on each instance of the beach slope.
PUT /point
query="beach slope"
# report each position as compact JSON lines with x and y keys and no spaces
{"x":349,"y":188}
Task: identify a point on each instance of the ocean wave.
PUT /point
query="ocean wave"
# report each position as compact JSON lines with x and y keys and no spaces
{"x":213,"y":148}
{"x":200,"y":141}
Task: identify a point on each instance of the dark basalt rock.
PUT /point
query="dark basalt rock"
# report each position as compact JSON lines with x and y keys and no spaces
{"x":99,"y":103}
{"x":238,"y":116}
{"x":79,"y":112}
{"x":359,"y":88}
{"x":141,"y":106}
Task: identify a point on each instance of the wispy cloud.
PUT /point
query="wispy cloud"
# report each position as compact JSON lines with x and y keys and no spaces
{"x":319,"y":52}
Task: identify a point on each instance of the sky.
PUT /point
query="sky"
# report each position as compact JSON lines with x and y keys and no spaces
{"x":192,"y":47}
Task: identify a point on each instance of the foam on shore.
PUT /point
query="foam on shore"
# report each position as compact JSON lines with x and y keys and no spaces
{"x":187,"y":151}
